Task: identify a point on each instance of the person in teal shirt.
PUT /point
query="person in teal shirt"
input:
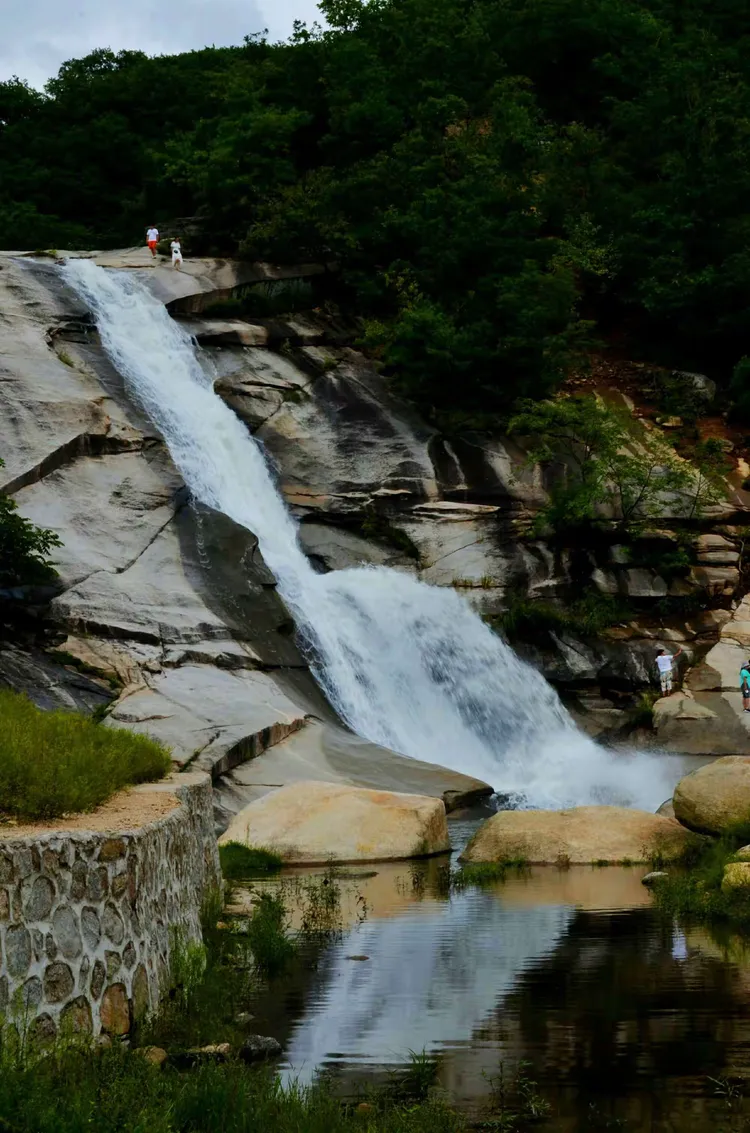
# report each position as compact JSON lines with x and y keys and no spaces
{"x":745,"y":685}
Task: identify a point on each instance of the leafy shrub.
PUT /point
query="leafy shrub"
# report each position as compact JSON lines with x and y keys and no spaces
{"x":54,"y":763}
{"x":610,"y":467}
{"x":24,"y":547}
{"x":525,"y":619}
{"x":642,"y":714}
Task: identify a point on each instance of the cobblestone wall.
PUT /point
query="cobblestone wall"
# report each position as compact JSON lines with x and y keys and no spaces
{"x":86,"y":919}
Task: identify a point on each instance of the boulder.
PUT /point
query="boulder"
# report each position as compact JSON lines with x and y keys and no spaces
{"x":716,"y":796}
{"x":653,"y":878}
{"x":700,"y":386}
{"x":666,"y":809}
{"x":736,"y":876}
{"x":153,"y":1055}
{"x":315,"y":822}
{"x":580,"y":835}
{"x":709,"y":723}
{"x":227,"y":332}
{"x":258,"y":1048}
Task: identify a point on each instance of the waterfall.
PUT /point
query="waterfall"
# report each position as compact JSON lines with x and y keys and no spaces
{"x":406,"y":665}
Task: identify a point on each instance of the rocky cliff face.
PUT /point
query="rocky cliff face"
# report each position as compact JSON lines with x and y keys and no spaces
{"x":173,"y":606}
{"x":163,"y":609}
{"x":372,"y":483}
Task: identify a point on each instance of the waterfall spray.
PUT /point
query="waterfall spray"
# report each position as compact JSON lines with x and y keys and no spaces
{"x":406,"y":665}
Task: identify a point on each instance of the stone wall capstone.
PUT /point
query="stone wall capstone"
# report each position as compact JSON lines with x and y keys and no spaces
{"x":88,"y":920}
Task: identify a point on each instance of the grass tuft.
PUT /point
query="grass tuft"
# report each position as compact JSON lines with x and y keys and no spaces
{"x":486,"y":873}
{"x":239,"y":862}
{"x":268,"y":934}
{"x":55,"y":763}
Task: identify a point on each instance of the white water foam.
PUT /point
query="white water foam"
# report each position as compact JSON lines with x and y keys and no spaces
{"x":406,"y":665}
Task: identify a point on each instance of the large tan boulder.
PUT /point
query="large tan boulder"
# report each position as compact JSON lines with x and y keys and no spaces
{"x":579,"y":835}
{"x":715,"y":796}
{"x":310,"y":822}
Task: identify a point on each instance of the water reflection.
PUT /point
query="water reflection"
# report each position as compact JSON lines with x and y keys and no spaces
{"x":624,"y":1016}
{"x":431,"y":977}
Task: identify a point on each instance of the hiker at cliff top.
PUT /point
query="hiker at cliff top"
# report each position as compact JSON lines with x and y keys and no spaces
{"x":152,"y":239}
{"x":664,"y":662}
{"x":176,"y":253}
{"x":745,"y":685}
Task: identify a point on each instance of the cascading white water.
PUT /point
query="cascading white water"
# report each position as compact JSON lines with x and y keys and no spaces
{"x":406,"y":665}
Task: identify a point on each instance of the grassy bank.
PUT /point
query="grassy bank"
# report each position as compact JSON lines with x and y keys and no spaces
{"x":694,"y":890}
{"x":240,"y":862}
{"x":55,"y":763}
{"x":116,"y":1091}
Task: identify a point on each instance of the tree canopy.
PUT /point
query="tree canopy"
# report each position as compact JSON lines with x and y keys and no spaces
{"x":499,"y":181}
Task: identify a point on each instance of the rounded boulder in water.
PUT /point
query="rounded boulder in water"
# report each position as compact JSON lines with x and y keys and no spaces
{"x":580,"y":835}
{"x":716,"y":796}
{"x":315,"y":823}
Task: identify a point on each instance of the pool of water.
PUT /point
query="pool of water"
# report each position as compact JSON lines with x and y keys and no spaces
{"x":626,"y":1019}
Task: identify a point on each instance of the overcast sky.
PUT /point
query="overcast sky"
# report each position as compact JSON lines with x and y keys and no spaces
{"x":36,"y":36}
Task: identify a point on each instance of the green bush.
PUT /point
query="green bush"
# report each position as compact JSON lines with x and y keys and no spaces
{"x":239,"y":862}
{"x":54,"y":763}
{"x":524,"y":619}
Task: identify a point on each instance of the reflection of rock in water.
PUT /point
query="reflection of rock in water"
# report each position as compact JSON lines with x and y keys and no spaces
{"x":431,"y":979}
{"x":613,"y":1019}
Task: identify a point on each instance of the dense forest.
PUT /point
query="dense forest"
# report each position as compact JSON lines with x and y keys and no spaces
{"x":501,"y":183}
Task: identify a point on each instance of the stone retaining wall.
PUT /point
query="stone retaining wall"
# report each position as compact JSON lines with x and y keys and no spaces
{"x":87,"y":920}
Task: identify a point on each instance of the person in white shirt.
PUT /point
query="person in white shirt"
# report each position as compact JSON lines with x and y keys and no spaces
{"x":176,"y":253}
{"x":152,"y":239}
{"x":664,"y":664}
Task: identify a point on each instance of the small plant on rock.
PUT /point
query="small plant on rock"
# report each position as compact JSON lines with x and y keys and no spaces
{"x":24,"y":548}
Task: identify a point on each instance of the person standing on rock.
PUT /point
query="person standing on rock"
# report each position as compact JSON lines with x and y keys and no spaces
{"x":664,"y":663}
{"x":152,"y":238}
{"x":745,"y":685}
{"x":176,"y":253}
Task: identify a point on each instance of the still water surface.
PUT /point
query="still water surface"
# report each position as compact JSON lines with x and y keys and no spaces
{"x":623,"y":1016}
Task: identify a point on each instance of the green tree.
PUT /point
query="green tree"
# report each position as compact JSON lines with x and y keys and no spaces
{"x":608,"y":468}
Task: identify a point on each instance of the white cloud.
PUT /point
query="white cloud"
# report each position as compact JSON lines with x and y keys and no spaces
{"x":36,"y":36}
